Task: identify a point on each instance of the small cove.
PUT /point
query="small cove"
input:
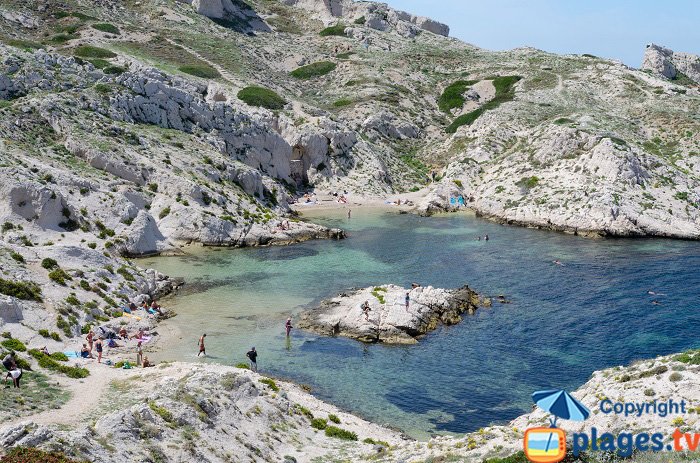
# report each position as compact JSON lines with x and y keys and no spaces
{"x":564,"y":322}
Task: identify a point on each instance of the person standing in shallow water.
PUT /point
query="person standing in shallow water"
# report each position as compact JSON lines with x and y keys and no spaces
{"x":252,"y":355}
{"x":288,"y":326}
{"x":202,"y":349}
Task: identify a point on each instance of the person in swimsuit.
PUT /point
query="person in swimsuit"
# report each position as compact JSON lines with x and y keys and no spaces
{"x":85,"y":352}
{"x":408,"y":300}
{"x":90,"y":339}
{"x":98,"y":347}
{"x":366,"y":309}
{"x":139,"y":354}
{"x":288,"y":326}
{"x":202,"y":349}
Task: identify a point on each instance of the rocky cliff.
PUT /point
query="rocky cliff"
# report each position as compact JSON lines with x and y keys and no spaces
{"x":672,"y":65}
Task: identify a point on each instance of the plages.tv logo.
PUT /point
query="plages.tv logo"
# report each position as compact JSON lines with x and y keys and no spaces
{"x":548,"y":445}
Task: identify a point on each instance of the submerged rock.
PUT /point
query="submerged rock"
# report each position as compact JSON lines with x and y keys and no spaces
{"x":389,"y":319}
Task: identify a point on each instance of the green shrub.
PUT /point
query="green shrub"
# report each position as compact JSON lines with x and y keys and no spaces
{"x":113,"y":70}
{"x":26,"y":45}
{"x":32,"y":455}
{"x":342,"y":102}
{"x":244,"y":366}
{"x":164,"y":213}
{"x":271,"y":383}
{"x":332,"y":431}
{"x":14,"y":344}
{"x":681,"y":195}
{"x":99,"y":63}
{"x":17,"y":257}
{"x":63,"y":38}
{"x":360,"y":21}
{"x":44,"y":333}
{"x":371,"y":441}
{"x":319,"y":423}
{"x":338,"y":30}
{"x":49,"y":264}
{"x":504,"y":93}
{"x":7,"y":226}
{"x":528,"y":182}
{"x":55,"y":336}
{"x":317,"y":69}
{"x":263,"y":97}
{"x":59,"y":276}
{"x":200,"y":70}
{"x":457,"y":182}
{"x":453,"y":95}
{"x":89,"y":51}
{"x":102,"y":89}
{"x":50,"y":364}
{"x":106,"y":27}
{"x":334,"y":418}
{"x":563,"y":120}
{"x":124,"y":271}
{"x":162,"y":412}
{"x":304,"y":411}
{"x":675,"y":377}
{"x":25,"y":290}
{"x":691,"y":357}
{"x":60,"y":356}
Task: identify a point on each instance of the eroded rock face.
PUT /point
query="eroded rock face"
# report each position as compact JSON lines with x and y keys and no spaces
{"x":389,"y":319}
{"x":378,"y":16}
{"x":664,"y":61}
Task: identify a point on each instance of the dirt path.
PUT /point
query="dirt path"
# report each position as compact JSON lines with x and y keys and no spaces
{"x":225,"y":74}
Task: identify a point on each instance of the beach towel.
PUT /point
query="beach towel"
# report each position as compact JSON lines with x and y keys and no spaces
{"x":72,"y":355}
{"x":460,"y":200}
{"x":144,"y":339}
{"x":131,"y":316}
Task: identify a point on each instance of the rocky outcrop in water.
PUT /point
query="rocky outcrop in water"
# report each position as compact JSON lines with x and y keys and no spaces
{"x":388,"y":319}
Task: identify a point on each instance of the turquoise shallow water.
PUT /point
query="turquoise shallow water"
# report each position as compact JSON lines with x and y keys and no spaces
{"x":564,"y":322}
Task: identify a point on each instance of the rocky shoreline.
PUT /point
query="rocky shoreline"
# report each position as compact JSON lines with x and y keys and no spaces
{"x":388,"y":318}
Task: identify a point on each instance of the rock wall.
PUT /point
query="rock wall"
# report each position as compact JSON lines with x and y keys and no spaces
{"x":667,"y":63}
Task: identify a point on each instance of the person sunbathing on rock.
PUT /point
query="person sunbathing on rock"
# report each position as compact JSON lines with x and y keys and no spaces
{"x":123,"y":333}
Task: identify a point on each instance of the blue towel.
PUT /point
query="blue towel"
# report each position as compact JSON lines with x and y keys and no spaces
{"x":72,"y":355}
{"x":461,"y":201}
{"x":452,"y":201}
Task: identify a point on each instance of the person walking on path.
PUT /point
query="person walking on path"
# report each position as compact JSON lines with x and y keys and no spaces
{"x":288,"y":326}
{"x":98,"y":347}
{"x":252,"y":355}
{"x":202,"y":349}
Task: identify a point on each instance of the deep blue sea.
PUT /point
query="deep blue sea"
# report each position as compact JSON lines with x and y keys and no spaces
{"x":564,"y":322}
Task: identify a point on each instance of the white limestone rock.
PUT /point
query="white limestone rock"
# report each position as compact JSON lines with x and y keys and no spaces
{"x":389,"y":320}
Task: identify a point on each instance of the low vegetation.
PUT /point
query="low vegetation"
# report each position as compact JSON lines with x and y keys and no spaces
{"x":453,"y":96}
{"x":312,"y":70}
{"x":25,"y":290}
{"x":49,"y":363}
{"x":337,"y":30}
{"x":106,"y":27}
{"x":339,"y":433}
{"x":32,"y":455}
{"x":504,"y":92}
{"x":261,"y":97}
{"x":270,"y":383}
{"x":14,"y":344}
{"x":89,"y":51}
{"x":200,"y":70}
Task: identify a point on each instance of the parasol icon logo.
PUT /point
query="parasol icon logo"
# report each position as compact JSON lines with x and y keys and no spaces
{"x":548,"y":445}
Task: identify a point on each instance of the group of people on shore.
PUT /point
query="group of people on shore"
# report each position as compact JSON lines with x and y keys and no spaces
{"x":96,"y":344}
